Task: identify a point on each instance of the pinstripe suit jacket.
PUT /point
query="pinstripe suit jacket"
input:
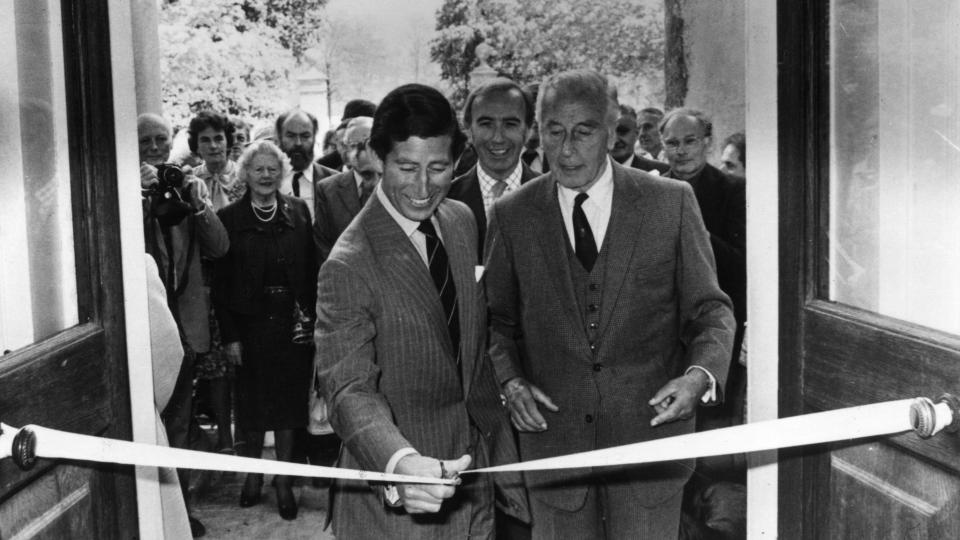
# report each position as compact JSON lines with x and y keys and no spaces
{"x":660,"y":312}
{"x":389,"y":372}
{"x":336,"y":203}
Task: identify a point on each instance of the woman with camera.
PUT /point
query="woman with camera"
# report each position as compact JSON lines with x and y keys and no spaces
{"x":265,"y":296}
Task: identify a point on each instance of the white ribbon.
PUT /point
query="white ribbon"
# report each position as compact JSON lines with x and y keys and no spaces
{"x":842,"y":424}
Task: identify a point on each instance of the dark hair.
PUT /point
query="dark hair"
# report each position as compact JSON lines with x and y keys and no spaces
{"x":278,"y":126}
{"x":208,"y":119}
{"x":358,"y":107}
{"x":701,"y":118}
{"x":626,"y":110}
{"x":652,"y":111}
{"x":500,"y":85}
{"x":739,"y":141}
{"x":414,"y":110}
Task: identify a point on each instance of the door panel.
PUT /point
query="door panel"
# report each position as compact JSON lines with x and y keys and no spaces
{"x":61,"y":300}
{"x":868,"y":106}
{"x":879,"y":489}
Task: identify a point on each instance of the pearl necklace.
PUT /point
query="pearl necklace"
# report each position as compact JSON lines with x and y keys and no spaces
{"x":272,"y":210}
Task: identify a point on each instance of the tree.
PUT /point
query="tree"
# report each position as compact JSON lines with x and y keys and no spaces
{"x":536,"y":38}
{"x":234,"y":57}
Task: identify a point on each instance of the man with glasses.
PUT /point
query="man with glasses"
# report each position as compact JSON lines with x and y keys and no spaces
{"x":341,"y":196}
{"x":296,"y":130}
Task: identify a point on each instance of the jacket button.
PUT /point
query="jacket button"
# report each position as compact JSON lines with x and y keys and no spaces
{"x":597,"y":367}
{"x":588,"y":418}
{"x":594,"y":286}
{"x":594,"y":326}
{"x":592,"y":307}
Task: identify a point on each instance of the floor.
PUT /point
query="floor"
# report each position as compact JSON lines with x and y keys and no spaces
{"x":216,"y":498}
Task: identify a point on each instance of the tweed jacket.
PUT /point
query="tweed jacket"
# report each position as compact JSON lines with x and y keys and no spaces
{"x":466,"y":189}
{"x":661,"y":311}
{"x":337,"y":203}
{"x":389,"y":372}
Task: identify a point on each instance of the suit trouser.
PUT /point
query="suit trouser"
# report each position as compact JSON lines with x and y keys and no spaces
{"x":177,"y":417}
{"x":608,"y":512}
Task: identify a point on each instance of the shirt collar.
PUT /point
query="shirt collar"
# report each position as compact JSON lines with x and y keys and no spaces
{"x":600,"y":192}
{"x":408,"y":225}
{"x":513,"y":180}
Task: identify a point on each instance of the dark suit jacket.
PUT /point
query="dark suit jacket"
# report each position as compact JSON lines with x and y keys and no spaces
{"x":466,"y":189}
{"x":648,"y":165}
{"x":722,"y":200}
{"x":331,"y":161}
{"x":389,"y":373}
{"x":336,"y":204}
{"x":661,"y":312}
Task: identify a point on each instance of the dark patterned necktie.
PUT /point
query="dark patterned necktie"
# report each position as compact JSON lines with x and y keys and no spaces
{"x":443,"y":280}
{"x":586,"y":246}
{"x":366,"y":189}
{"x":296,"y":183}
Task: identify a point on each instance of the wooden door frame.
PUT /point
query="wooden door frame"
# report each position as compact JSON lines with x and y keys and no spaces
{"x":878,"y":357}
{"x":93,"y":185}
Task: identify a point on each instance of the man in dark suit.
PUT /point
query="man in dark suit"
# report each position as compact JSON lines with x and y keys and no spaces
{"x":401,"y":326}
{"x":686,"y":135}
{"x":340,"y":197}
{"x":498,"y":116}
{"x":607,"y":326}
{"x":297,"y":132}
{"x":626,"y":139}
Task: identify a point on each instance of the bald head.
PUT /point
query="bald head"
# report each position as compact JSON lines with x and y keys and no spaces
{"x":154,"y":136}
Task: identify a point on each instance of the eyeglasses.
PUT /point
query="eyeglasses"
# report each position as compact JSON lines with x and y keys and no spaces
{"x":358,"y":145}
{"x":673,"y":145}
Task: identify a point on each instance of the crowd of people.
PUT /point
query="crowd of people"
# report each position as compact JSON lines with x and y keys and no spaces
{"x":548,"y":272}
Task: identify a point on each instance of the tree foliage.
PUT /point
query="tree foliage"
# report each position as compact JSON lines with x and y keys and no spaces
{"x":235,"y":57}
{"x":536,"y":38}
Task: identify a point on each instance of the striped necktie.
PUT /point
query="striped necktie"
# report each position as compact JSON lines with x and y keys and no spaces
{"x":443,"y":280}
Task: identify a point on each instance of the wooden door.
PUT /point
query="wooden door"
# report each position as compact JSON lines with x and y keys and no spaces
{"x":869,"y":144}
{"x":61,"y":306}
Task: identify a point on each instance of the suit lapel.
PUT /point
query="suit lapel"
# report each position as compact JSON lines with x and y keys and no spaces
{"x":622,"y":238}
{"x":546,"y":225}
{"x":347,"y":192}
{"x":462,"y":261}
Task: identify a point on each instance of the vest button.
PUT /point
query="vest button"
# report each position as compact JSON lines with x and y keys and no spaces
{"x":594,"y":326}
{"x":592,"y":307}
{"x":597,"y":367}
{"x":588,"y":418}
{"x":594,"y":287}
{"x":593,"y":347}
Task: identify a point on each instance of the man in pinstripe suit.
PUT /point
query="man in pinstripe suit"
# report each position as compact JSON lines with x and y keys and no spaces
{"x":400,"y":342}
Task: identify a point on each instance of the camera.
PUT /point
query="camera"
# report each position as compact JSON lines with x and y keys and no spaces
{"x":168,"y":205}
{"x":169,"y":178}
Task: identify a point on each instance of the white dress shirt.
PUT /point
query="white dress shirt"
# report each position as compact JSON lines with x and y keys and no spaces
{"x":306,"y":186}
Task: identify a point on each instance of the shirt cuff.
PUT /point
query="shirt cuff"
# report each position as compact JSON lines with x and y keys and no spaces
{"x":390,"y":494}
{"x":711,"y":394}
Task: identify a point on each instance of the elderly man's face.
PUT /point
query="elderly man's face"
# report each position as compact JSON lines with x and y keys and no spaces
{"x":686,"y":146}
{"x":497,"y":130}
{"x":417,"y":174}
{"x":297,"y":139}
{"x":355,"y":139}
{"x":576,"y":137}
{"x":649,"y":136}
{"x":626,"y":138}
{"x":730,"y":161}
{"x":154,"y":142}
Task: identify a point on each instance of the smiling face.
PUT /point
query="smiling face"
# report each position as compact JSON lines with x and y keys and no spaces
{"x":212,"y":147}
{"x":417,"y":174}
{"x":576,"y":137}
{"x":497,"y":130}
{"x":154,"y":140}
{"x":264,"y":173}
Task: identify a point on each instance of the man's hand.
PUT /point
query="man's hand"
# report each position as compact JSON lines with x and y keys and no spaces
{"x":234,"y":352}
{"x":148,"y":176}
{"x":197,"y":192}
{"x":522,"y":398}
{"x":427,"y":498}
{"x":678,"y":398}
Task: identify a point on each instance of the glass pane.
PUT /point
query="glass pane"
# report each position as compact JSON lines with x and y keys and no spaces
{"x":38,"y":285}
{"x":895,"y":159}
